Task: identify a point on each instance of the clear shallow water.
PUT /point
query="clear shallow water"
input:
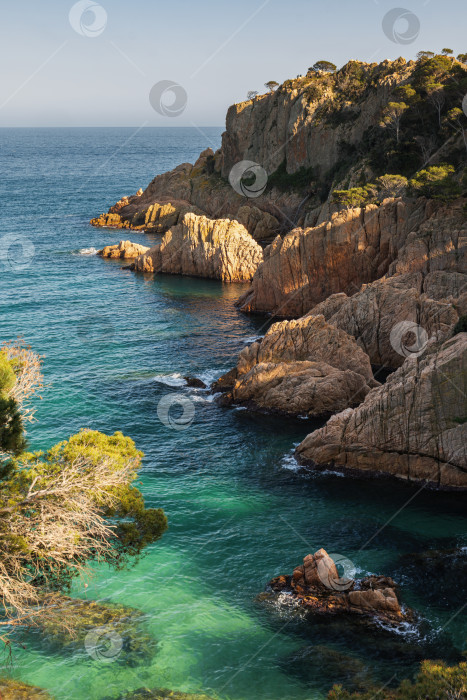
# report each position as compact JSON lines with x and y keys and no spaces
{"x":114,"y":344}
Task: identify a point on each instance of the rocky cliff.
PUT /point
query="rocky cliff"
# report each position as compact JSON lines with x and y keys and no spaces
{"x":201,"y":247}
{"x":305,"y":367}
{"x":413,"y":427}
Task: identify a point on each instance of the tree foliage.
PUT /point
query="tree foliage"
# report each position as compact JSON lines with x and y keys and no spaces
{"x":271,"y":85}
{"x":325,"y":66}
{"x":436,"y":182}
{"x":66,"y":507}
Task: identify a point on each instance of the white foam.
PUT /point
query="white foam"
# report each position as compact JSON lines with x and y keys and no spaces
{"x":174,"y":379}
{"x":87,"y":251}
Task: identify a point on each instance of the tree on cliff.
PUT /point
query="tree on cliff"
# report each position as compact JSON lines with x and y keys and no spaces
{"x":447,"y":52}
{"x":325,"y":66}
{"x":456,"y":119}
{"x":392,"y":116}
{"x":64,"y":508}
{"x":437,"y":97}
{"x":271,"y":85}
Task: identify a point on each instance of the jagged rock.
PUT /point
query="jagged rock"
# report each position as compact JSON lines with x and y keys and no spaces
{"x":355,"y":247}
{"x":317,"y":586}
{"x":378,"y":314}
{"x":125,"y":250}
{"x":260,"y":224}
{"x":414,"y":427}
{"x":17,"y":690}
{"x":302,"y":366}
{"x":202,"y":247}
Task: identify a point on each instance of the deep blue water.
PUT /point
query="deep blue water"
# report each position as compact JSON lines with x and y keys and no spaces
{"x":114,"y":345}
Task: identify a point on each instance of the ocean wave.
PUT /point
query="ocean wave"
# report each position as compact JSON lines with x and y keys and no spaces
{"x":85,"y":251}
{"x":175,"y":379}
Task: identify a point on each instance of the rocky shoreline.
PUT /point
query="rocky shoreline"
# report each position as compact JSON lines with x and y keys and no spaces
{"x":367,"y":284}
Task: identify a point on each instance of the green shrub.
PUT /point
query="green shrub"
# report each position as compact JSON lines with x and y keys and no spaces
{"x":436,"y":182}
{"x":284,"y":181}
{"x":355,"y":197}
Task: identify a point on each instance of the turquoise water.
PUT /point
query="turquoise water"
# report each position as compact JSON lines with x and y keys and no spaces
{"x":240,"y":512}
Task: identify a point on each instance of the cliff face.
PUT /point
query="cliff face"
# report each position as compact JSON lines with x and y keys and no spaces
{"x":201,"y":247}
{"x":286,"y":126}
{"x":355,"y":247}
{"x":302,"y":367}
{"x":413,"y":427}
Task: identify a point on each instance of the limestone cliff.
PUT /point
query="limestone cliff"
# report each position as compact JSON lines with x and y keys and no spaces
{"x":201,"y":247}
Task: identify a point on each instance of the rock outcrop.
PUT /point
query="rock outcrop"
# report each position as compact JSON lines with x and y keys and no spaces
{"x":386,"y":315}
{"x":201,"y":247}
{"x":317,"y":587}
{"x":414,"y":427}
{"x":300,"y":367}
{"x":355,"y":247}
{"x":126,"y":250}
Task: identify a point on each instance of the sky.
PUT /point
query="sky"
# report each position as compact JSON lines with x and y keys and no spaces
{"x":97,"y":63}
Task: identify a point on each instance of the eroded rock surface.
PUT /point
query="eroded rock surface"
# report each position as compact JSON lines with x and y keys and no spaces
{"x":392,"y":315}
{"x":317,"y":587}
{"x":126,"y":250}
{"x":413,"y":427}
{"x":355,"y":247}
{"x":202,"y":247}
{"x":303,"y":366}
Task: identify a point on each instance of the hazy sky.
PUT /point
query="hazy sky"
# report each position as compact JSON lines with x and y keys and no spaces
{"x":55,"y":75}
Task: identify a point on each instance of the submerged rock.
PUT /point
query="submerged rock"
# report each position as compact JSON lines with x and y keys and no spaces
{"x":125,"y":250}
{"x":161,"y":694}
{"x":300,"y":367}
{"x":67,"y":624}
{"x":17,"y":690}
{"x":318,"y":589}
{"x":202,"y":247}
{"x":414,"y":427}
{"x":330,"y":665}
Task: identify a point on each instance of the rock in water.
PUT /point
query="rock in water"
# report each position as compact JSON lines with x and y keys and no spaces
{"x":413,"y":427}
{"x":301,"y":367}
{"x":317,"y":587}
{"x":195,"y":383}
{"x":126,"y":250}
{"x":202,"y":247}
{"x":17,"y":690}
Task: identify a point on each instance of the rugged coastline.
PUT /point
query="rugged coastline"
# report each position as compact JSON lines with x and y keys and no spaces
{"x":365,"y":270}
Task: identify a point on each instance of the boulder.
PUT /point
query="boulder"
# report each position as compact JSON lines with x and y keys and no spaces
{"x":126,"y":250}
{"x":303,"y":366}
{"x":317,"y":586}
{"x":414,"y":427}
{"x":202,"y":247}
